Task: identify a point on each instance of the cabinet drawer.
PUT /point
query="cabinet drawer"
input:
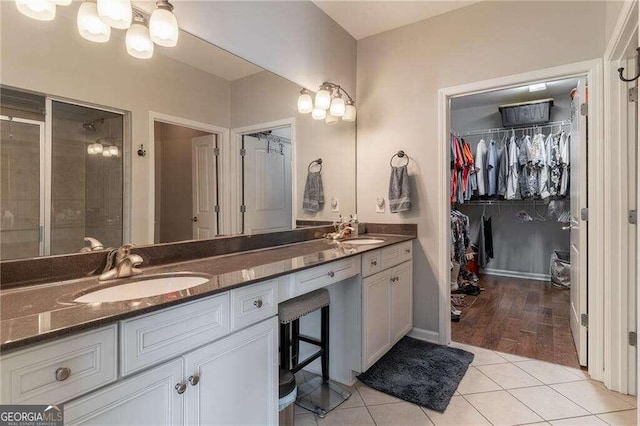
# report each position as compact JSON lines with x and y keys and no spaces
{"x":160,"y":336}
{"x":253,"y":303}
{"x":322,"y":276}
{"x":371,"y":263}
{"x":37,"y":375}
{"x":396,"y":254}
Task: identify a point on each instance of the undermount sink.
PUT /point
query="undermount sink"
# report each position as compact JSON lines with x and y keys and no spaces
{"x":144,"y":287}
{"x":363,"y":241}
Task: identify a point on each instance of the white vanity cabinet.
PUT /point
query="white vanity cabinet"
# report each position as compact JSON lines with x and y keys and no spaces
{"x":387,"y":302}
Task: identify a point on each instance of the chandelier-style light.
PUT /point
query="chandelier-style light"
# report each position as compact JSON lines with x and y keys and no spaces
{"x":90,"y":26}
{"x":139,"y":44}
{"x":163,"y":25}
{"x":328,"y":104}
{"x":115,"y":13}
{"x":42,"y":10}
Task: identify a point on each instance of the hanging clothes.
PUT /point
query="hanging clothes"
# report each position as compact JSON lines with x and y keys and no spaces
{"x":481,"y":158}
{"x":552,"y":147}
{"x":492,"y":169}
{"x":503,"y":167}
{"x":513,"y":165}
{"x":539,"y":167}
{"x":564,"y":162}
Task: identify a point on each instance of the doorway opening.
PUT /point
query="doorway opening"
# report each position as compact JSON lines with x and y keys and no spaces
{"x":518,"y":177}
{"x":186,"y":183}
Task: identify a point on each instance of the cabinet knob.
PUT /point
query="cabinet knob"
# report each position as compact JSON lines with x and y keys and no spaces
{"x":181,"y":387}
{"x":407,"y":251}
{"x":194,"y":380}
{"x":258,"y":303}
{"x":374,"y":262}
{"x":63,"y":374}
{"x":194,"y":219}
{"x":331,"y":274}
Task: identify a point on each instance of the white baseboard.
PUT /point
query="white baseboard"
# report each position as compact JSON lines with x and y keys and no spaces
{"x":426,"y":335}
{"x":516,"y":274}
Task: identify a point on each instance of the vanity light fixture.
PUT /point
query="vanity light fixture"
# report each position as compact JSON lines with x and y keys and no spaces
{"x":114,"y":150}
{"x":163,"y":25}
{"x":138,"y":41}
{"x":305,"y":103}
{"x":106,"y":153}
{"x":98,"y":148}
{"x":115,"y":13}
{"x":328,"y":97}
{"x":42,"y":10}
{"x":90,"y":26}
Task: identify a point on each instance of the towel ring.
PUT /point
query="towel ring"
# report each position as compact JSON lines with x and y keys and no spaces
{"x":316,"y":162}
{"x":399,"y":154}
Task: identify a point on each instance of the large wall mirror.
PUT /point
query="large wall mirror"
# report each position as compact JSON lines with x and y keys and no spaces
{"x":193,"y":143}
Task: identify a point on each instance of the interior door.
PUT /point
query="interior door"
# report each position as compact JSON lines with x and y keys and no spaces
{"x":22,"y":177}
{"x":204,"y":187}
{"x":267,"y":186}
{"x":578,"y":195}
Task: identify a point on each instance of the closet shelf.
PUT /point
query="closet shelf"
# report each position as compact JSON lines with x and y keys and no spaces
{"x":499,"y":130}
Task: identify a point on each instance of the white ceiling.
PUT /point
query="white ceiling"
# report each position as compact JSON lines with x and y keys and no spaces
{"x":363,"y":18}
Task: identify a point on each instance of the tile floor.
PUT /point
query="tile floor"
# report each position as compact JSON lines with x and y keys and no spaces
{"x":498,"y":389}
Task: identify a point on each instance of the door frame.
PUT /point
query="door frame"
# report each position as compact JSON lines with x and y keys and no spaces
{"x":236,"y":168}
{"x":44,"y":178}
{"x":592,"y":69}
{"x":617,"y":375}
{"x":222,"y":133}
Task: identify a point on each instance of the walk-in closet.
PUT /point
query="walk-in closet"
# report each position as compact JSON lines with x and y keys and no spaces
{"x":515,"y":226}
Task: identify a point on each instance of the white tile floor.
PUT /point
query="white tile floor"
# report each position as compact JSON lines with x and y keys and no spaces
{"x":498,"y":389}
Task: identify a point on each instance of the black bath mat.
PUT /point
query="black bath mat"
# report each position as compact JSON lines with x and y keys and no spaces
{"x":419,"y":372}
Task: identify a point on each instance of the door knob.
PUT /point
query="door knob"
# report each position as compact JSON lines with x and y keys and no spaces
{"x":181,"y":387}
{"x":194,"y":219}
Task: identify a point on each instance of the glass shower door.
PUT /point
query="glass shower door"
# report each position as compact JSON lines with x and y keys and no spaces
{"x":22,"y":188}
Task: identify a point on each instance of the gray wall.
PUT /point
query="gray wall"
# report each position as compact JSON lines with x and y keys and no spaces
{"x":399,"y":75}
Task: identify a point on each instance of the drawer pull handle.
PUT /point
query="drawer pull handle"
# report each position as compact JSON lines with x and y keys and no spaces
{"x":407,"y":251}
{"x":181,"y":387}
{"x":331,"y":274}
{"x":257,"y":304}
{"x":374,"y":263}
{"x":63,"y":374}
{"x":194,"y":380}
{"x":394,"y":279}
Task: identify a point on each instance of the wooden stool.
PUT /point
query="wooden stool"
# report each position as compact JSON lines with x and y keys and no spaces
{"x":289,"y":314}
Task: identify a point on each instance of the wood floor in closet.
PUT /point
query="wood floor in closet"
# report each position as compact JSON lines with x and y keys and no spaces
{"x":521,"y":317}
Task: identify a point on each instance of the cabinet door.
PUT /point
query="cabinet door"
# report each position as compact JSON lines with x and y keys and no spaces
{"x":401,"y":301}
{"x":237,"y":379}
{"x":149,"y":398}
{"x":376,"y":317}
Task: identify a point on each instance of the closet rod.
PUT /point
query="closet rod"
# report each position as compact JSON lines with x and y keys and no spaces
{"x":502,"y":129}
{"x":506,"y":202}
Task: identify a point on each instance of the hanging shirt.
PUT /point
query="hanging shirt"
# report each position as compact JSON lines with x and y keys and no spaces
{"x":528,"y":181}
{"x":552,"y":147}
{"x":503,"y":168}
{"x":539,"y":165}
{"x":564,"y":162}
{"x":492,"y":169}
{"x":481,"y":158}
{"x":512,"y":175}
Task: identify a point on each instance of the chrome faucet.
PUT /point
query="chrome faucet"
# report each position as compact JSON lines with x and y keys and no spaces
{"x":94,"y":245}
{"x":121,"y":263}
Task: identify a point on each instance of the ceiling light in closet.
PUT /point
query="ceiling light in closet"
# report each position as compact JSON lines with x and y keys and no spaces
{"x":319,"y":114}
{"x":163,"y":25}
{"x":537,"y":87}
{"x":90,"y":26}
{"x":115,"y":13}
{"x":42,"y":10}
{"x":305,"y":103}
{"x":138,"y":41}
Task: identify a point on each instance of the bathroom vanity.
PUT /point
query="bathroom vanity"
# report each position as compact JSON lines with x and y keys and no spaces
{"x":206,"y":354}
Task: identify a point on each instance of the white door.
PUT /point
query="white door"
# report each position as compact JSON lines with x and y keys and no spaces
{"x":376,"y":317}
{"x":204,"y":187}
{"x":578,"y":196}
{"x":237,"y":379}
{"x":149,"y":398}
{"x":401,"y":301}
{"x":267,"y":186}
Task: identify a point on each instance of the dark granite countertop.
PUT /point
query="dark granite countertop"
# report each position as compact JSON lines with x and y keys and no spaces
{"x":36,"y":313}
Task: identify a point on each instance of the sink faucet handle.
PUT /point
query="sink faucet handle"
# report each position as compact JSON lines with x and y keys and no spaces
{"x":123,"y":252}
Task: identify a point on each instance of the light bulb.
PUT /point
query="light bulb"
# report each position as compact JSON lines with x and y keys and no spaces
{"x":114,"y":150}
{"x":115,"y":13}
{"x":98,"y":148}
{"x":305,"y":103}
{"x":139,"y":44}
{"x":90,"y":25}
{"x":331,"y":119}
{"x":337,"y":106}
{"x":90,"y":149}
{"x":349,"y":112}
{"x":163,"y":26}
{"x":323,"y":98}
{"x":42,"y":10}
{"x":319,"y":114}
{"x":106,"y":153}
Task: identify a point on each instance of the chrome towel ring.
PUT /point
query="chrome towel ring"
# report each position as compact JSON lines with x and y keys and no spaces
{"x":399,"y":154}
{"x":317,"y":162}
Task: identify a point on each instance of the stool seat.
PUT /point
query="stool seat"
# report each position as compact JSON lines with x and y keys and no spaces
{"x":300,"y":306}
